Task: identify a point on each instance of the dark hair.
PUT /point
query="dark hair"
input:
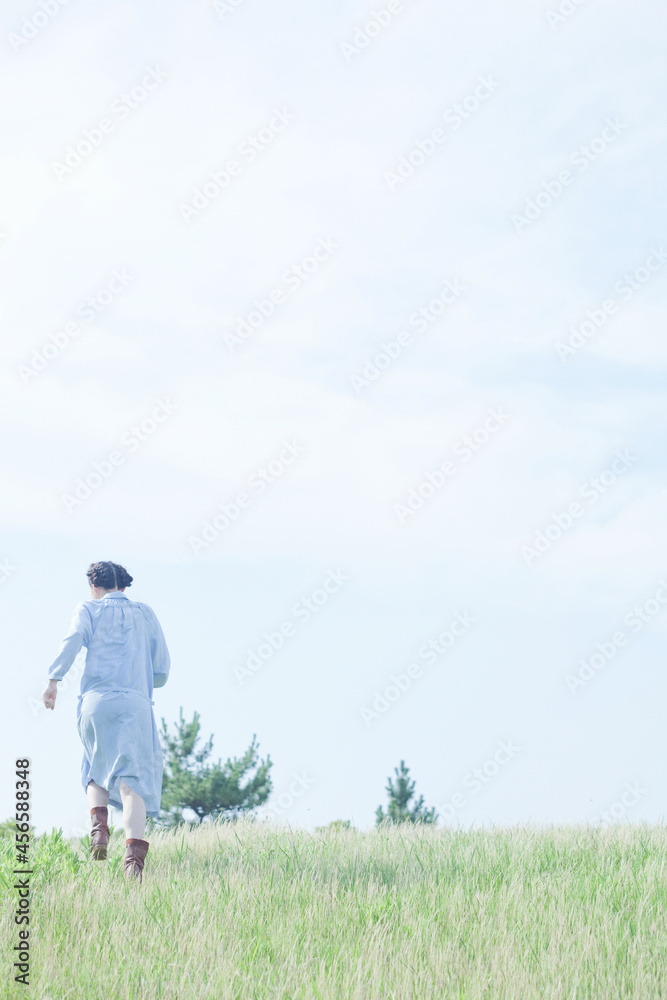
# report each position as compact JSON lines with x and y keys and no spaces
{"x":108,"y":575}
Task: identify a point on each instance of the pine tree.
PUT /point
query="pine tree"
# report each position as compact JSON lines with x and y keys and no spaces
{"x":209,"y":789}
{"x":400,"y":793}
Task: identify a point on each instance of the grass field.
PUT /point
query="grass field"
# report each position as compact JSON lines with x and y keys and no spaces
{"x":249,"y":910}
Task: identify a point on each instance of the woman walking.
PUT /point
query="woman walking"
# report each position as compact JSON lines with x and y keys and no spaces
{"x":126,"y":658}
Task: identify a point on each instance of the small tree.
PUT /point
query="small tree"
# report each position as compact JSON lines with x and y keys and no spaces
{"x":190,"y":782}
{"x":400,"y":794}
{"x":8,"y":829}
{"x":335,"y":826}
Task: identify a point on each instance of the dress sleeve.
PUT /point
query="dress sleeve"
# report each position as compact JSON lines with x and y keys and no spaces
{"x":160,"y":658}
{"x":80,"y":634}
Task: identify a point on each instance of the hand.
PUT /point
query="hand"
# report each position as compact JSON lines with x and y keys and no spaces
{"x":49,"y":694}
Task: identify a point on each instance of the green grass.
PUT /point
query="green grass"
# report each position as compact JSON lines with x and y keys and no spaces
{"x":249,"y":910}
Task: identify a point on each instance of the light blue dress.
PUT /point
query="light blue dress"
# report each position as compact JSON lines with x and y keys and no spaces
{"x":126,"y":658}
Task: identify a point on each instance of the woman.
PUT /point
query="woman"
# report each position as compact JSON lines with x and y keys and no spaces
{"x":127,"y":657}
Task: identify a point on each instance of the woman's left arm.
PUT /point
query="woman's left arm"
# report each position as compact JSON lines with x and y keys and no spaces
{"x":80,"y":634}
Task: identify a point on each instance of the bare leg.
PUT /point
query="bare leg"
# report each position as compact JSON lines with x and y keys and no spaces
{"x":134,"y":812}
{"x":97,"y":796}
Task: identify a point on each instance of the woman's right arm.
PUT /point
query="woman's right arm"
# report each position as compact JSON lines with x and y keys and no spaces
{"x":160,"y":658}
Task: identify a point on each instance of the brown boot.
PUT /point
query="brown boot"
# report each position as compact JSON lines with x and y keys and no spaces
{"x":135,"y":855}
{"x":99,"y":837}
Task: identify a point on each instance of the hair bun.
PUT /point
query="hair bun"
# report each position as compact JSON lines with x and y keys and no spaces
{"x":108,"y":576}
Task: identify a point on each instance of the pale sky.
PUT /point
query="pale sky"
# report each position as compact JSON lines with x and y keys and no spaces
{"x":414,"y":209}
